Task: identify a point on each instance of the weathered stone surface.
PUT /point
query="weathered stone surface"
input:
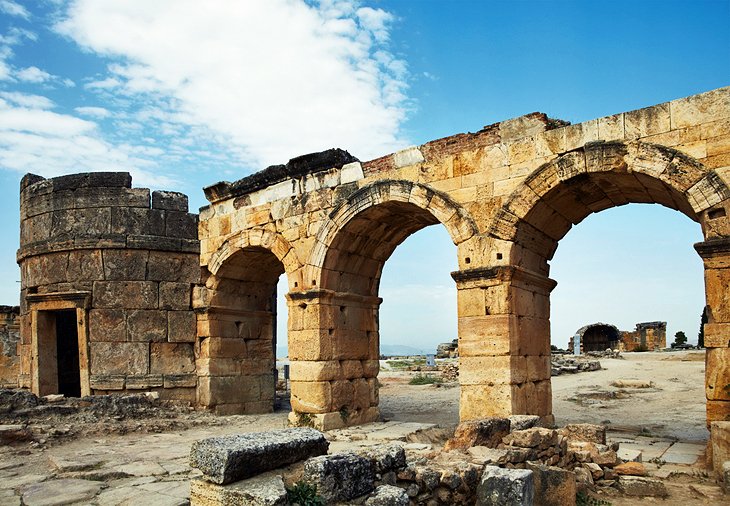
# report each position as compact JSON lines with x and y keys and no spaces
{"x":64,"y":491}
{"x":125,"y":294}
{"x":340,"y":477}
{"x":486,"y":432}
{"x":720,"y":441}
{"x":229,"y":458}
{"x":505,"y":487}
{"x":169,"y":201}
{"x":639,"y":486}
{"x":172,"y":358}
{"x":388,"y":495}
{"x":263,"y":490}
{"x":119,"y":358}
{"x":107,"y":325}
{"x":386,"y":457}
{"x":584,"y":432}
{"x":522,"y":422}
{"x":181,"y":326}
{"x":630,"y":469}
{"x":147,"y":325}
{"x":532,"y":438}
{"x":553,"y":486}
{"x":14,"y":433}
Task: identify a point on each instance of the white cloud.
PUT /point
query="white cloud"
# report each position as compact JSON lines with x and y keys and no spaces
{"x":94,"y":112}
{"x":50,"y":144}
{"x":273,"y":79}
{"x":33,"y":75}
{"x":27,"y":100}
{"x":14,"y":9}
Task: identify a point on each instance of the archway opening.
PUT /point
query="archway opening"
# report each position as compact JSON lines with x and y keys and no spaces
{"x":635,"y":268}
{"x":237,"y":358}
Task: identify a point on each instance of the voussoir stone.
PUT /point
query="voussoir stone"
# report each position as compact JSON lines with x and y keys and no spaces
{"x":227,"y":459}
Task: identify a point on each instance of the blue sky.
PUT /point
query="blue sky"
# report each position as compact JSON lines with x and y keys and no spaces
{"x":185,"y":93}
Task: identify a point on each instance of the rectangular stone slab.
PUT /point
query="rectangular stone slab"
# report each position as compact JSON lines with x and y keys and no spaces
{"x":227,"y":459}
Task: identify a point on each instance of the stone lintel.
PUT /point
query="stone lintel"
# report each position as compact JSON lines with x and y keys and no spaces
{"x":713,"y":247}
{"x":79,"y":299}
{"x":469,"y":278}
{"x":211,"y":311}
{"x":332,"y":296}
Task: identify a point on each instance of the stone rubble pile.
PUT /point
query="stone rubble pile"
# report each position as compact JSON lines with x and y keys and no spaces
{"x":493,"y":461}
{"x":448,"y":350}
{"x":449,"y":371}
{"x":572,"y":364}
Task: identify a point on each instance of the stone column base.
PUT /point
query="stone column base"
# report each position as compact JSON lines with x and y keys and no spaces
{"x":334,"y":420}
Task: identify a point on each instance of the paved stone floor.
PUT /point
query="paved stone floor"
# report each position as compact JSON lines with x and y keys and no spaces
{"x":152,"y":469}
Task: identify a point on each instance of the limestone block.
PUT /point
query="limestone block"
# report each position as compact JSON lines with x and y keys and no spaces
{"x":174,"y":295}
{"x":263,"y":490}
{"x":324,"y":370}
{"x":233,"y":367}
{"x":213,"y":390}
{"x":500,"y":487}
{"x":717,"y":377}
{"x":717,"y":411}
{"x":532,"y":438}
{"x":227,"y":459}
{"x":647,"y":121}
{"x":147,"y":325}
{"x":720,"y":442}
{"x":486,"y":335}
{"x":143,"y":382}
{"x":167,"y":266}
{"x":310,"y":345}
{"x":492,"y":369}
{"x":107,"y":381}
{"x":351,"y":172}
{"x":128,"y":265}
{"x":370,"y":368}
{"x":220,"y":347}
{"x":717,"y":335}
{"x":538,"y":367}
{"x":107,"y":325}
{"x":180,"y":380}
{"x":119,"y":358}
{"x":172,"y":358}
{"x":553,"y":486}
{"x":340,"y":477}
{"x":487,"y":432}
{"x":351,"y":369}
{"x":373,"y":390}
{"x":611,"y":127}
{"x":312,"y":396}
{"x":361,"y":395}
{"x":388,"y":495}
{"x":639,"y":486}
{"x":85,"y":265}
{"x":170,"y":201}
{"x":91,"y":221}
{"x":717,"y":294}
{"x":137,"y":221}
{"x":181,"y":224}
{"x":181,"y":326}
{"x":479,"y":401}
{"x":703,"y":108}
{"x":125,"y":294}
{"x":343,"y":392}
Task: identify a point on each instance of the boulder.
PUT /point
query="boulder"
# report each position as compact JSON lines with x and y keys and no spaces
{"x":227,"y":459}
{"x":505,"y":487}
{"x":386,"y":457}
{"x":553,"y":486}
{"x":639,"y":486}
{"x":630,"y":469}
{"x":537,"y":437}
{"x":584,"y":432}
{"x":522,"y":422}
{"x":387,"y":495}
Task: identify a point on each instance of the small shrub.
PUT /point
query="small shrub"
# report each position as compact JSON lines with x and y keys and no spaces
{"x":304,"y":494}
{"x":305,"y":420}
{"x":344,"y":413}
{"x":425,"y":379}
{"x":583,"y":499}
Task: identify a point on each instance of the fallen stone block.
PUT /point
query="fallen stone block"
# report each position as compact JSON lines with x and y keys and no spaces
{"x":505,"y":487}
{"x":553,"y":486}
{"x":14,"y":434}
{"x":263,"y":490}
{"x":485,"y":432}
{"x":388,"y":495}
{"x":227,"y":459}
{"x":639,"y":486}
{"x":532,"y":438}
{"x":629,"y":455}
{"x":340,"y":477}
{"x":630,"y":469}
{"x":385,"y":458}
{"x":589,"y":432}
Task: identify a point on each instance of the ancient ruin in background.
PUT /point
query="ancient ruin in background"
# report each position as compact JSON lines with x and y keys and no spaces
{"x":130,"y":280}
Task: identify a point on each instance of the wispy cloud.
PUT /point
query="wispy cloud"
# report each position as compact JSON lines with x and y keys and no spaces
{"x":94,"y":112}
{"x":14,"y":9}
{"x":33,"y":75}
{"x":272,"y":79}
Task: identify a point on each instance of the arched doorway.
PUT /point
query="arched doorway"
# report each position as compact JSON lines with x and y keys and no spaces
{"x":235,"y":354}
{"x":560,"y":194}
{"x":334,"y":330}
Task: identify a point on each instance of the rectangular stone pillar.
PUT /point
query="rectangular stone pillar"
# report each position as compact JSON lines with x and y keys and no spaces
{"x":333,"y":353}
{"x":715,"y":255}
{"x":504,"y":342}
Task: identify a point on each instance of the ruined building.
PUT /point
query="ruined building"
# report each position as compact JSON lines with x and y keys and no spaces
{"x":9,"y":338}
{"x":650,"y":336}
{"x":123,"y":290}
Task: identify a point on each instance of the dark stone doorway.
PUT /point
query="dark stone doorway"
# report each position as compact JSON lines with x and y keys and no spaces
{"x":67,"y":354}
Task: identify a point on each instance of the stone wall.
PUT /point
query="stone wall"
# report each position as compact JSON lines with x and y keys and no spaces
{"x":649,"y":336}
{"x":506,"y":195}
{"x":107,"y":272}
{"x":9,"y":338}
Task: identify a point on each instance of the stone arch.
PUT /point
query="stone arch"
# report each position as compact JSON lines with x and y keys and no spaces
{"x":427,"y":207}
{"x":334,"y":331}
{"x":538,"y":213}
{"x":237,"y":325}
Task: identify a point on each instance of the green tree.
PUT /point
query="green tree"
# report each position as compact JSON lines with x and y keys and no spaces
{"x":679,"y":338}
{"x":701,"y":333}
